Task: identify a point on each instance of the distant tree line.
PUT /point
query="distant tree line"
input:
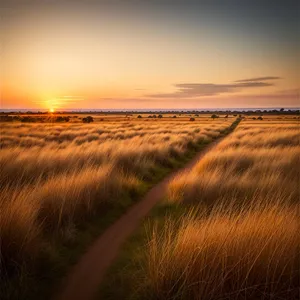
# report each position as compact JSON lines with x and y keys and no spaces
{"x":130,"y":113}
{"x":42,"y":119}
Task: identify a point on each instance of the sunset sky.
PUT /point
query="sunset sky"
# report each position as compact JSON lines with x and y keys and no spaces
{"x":89,"y":54}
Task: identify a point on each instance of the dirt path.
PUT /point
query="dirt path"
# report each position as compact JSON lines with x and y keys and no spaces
{"x":85,"y":278}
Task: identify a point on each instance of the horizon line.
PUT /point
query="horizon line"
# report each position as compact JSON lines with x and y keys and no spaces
{"x":151,"y":109}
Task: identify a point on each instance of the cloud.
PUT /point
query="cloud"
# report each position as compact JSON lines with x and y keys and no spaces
{"x":259,"y":79}
{"x":190,"y":90}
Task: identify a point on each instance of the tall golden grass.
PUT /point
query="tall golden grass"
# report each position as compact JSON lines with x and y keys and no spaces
{"x":55,"y":176}
{"x":228,"y":255}
{"x":240,"y":240}
{"x":248,"y":163}
{"x":66,"y":148}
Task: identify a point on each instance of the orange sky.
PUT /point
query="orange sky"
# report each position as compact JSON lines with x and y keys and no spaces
{"x":92,"y":56}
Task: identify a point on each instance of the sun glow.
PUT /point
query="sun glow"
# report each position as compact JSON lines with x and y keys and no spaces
{"x":51,"y":110}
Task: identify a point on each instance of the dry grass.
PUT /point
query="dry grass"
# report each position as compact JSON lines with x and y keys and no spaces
{"x":243,"y":241}
{"x":54,"y":177}
{"x":250,"y":162}
{"x":66,"y":148}
{"x":248,"y":255}
{"x":20,"y":230}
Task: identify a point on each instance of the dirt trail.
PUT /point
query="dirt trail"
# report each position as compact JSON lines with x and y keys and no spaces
{"x":85,"y":277}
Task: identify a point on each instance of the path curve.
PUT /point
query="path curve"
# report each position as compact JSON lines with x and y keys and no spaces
{"x":85,"y":277}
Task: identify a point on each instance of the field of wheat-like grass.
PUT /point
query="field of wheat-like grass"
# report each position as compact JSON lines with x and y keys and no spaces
{"x":55,"y":176}
{"x":240,"y":239}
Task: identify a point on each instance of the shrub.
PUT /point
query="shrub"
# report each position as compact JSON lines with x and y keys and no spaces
{"x":6,"y":118}
{"x":88,"y":119}
{"x":28,"y":119}
{"x":160,"y":116}
{"x":60,"y":119}
{"x":214,"y":116}
{"x":192,"y":119}
{"x":139,"y":116}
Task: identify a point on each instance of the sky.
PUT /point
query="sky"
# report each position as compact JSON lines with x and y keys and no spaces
{"x":135,"y":54}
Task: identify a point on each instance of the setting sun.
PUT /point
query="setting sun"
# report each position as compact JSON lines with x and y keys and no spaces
{"x":51,"y":110}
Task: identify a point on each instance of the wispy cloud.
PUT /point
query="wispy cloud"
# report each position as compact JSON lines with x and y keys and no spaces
{"x":259,"y":79}
{"x":190,"y":90}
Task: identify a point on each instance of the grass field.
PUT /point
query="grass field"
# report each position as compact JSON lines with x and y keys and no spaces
{"x":228,"y":228}
{"x":56,"y":177}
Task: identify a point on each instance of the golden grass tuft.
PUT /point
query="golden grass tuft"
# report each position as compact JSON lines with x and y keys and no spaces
{"x":237,"y":255}
{"x":20,"y":229}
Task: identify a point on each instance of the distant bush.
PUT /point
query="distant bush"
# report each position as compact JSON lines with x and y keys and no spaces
{"x":139,"y":116}
{"x":192,"y":119}
{"x":226,"y":116}
{"x":59,"y":119}
{"x":174,"y":117}
{"x":259,"y":118}
{"x":62,"y":119}
{"x":254,"y":118}
{"x":88,"y":119}
{"x":160,"y":116}
{"x":214,"y":116}
{"x":28,"y":119}
{"x":6,"y":118}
